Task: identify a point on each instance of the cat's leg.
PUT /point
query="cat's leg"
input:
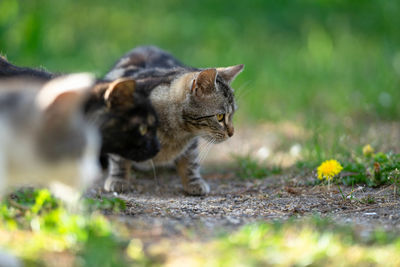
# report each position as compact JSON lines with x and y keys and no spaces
{"x":188,"y":169}
{"x":119,"y":171}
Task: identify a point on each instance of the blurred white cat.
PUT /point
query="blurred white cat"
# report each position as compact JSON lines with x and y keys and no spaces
{"x":44,"y":138}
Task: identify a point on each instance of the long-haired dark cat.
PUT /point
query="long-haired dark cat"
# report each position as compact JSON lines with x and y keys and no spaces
{"x":122,"y":111}
{"x":8,"y":70}
{"x":44,"y":138}
{"x":190,"y":103}
{"x":127,"y":124}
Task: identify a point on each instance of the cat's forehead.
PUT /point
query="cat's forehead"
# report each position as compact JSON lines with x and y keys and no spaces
{"x":226,"y":95}
{"x":225,"y":89}
{"x":143,"y":111}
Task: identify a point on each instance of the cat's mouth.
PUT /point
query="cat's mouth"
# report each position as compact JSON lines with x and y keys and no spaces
{"x":216,"y":138}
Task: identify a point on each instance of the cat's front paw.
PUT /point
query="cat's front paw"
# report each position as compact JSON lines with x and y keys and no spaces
{"x":118,"y":185}
{"x":197,"y":187}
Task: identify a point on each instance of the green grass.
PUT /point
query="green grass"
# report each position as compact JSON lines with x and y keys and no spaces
{"x":373,"y":169}
{"x":44,"y":226}
{"x":93,"y":240}
{"x":248,"y":168}
{"x":312,"y":242}
{"x":105,"y":204}
{"x":305,"y":60}
{"x":322,"y":64}
{"x":331,"y":67}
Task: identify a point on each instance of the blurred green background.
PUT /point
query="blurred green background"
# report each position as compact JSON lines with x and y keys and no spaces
{"x":331,"y":66}
{"x":305,"y":60}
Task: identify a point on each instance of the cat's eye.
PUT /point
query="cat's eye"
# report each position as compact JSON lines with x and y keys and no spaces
{"x":220,"y":117}
{"x":143,"y":129}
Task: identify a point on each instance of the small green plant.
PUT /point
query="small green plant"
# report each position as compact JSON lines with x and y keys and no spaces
{"x":368,"y":200}
{"x":313,"y":242}
{"x":114,"y":204}
{"x":372,"y":169}
{"x":34,"y":200}
{"x":34,"y":214}
{"x":247,"y":168}
{"x":355,"y":173}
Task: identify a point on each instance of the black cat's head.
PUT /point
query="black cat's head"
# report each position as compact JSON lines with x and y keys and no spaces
{"x":128,"y":122}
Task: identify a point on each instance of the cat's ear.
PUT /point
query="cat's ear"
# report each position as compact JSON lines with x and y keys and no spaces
{"x":204,"y":84}
{"x":230,"y":73}
{"x":119,"y":93}
{"x":65,"y":95}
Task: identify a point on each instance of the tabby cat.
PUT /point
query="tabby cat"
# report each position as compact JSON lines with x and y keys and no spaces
{"x":44,"y":138}
{"x":190,"y":103}
{"x":120,"y":108}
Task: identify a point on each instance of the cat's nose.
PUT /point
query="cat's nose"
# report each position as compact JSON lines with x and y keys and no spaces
{"x":230,"y":131}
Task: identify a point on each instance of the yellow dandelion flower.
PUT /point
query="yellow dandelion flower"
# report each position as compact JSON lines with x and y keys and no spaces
{"x":329,"y":169}
{"x":368,"y":150}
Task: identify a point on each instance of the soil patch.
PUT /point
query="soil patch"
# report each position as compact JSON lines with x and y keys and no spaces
{"x":164,"y":211}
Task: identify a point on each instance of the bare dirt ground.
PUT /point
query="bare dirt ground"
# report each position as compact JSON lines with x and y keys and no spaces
{"x":164,"y":211}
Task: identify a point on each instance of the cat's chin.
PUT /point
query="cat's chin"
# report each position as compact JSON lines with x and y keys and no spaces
{"x":214,"y":140}
{"x":220,"y":141}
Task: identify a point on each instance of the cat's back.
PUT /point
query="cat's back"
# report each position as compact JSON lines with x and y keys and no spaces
{"x":150,"y":66}
{"x":143,"y":57}
{"x":8,"y":70}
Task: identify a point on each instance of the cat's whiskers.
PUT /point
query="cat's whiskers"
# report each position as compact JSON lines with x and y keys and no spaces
{"x":212,"y":142}
{"x":205,"y":137}
{"x":206,"y":150}
{"x":201,"y":149}
{"x":242,"y":91}
{"x":154,"y":172}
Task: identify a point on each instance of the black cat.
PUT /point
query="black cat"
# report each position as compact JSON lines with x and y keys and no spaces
{"x":126,"y":119}
{"x":8,"y":70}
